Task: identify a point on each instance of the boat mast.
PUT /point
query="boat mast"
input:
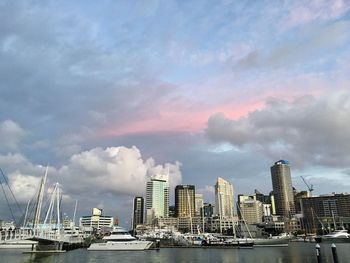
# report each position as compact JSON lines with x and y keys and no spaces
{"x":335,"y":224}
{"x":219,"y":199}
{"x":203,"y":217}
{"x":58,"y":208}
{"x":40,"y":200}
{"x":189,"y":208}
{"x":75,"y":211}
{"x":26,"y":214}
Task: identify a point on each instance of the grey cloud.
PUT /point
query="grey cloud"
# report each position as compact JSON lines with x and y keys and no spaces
{"x":11,"y":135}
{"x":59,"y":78}
{"x":307,"y":131}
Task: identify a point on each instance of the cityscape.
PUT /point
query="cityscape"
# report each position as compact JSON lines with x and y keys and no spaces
{"x":175,"y":131}
{"x":283,"y":210}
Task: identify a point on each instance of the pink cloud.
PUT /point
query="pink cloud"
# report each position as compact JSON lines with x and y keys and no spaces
{"x":179,"y":120}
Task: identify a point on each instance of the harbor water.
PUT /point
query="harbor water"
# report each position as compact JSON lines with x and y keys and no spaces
{"x":296,"y":253}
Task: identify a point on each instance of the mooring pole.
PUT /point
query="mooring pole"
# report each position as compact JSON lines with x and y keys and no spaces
{"x":318,"y":253}
{"x":334,"y":253}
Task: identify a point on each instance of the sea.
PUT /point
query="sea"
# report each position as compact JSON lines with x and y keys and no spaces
{"x":297,"y":252}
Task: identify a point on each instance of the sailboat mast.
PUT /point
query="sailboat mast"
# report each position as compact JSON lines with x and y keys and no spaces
{"x":220,"y":219}
{"x":58,"y":208}
{"x":40,"y":200}
{"x":189,"y":208}
{"x":75,"y":211}
{"x":335,"y":224}
{"x":26,"y":215}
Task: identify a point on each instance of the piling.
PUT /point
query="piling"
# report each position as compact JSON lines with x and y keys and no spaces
{"x":334,"y":253}
{"x":318,"y":253}
{"x":157,"y":244}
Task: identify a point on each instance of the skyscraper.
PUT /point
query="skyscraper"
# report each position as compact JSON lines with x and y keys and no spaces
{"x":224,"y":202}
{"x":251,"y":211}
{"x":139,"y":204}
{"x":208,"y":210}
{"x":185,"y":201}
{"x":157,"y":198}
{"x":282,"y":189}
{"x":199,"y":204}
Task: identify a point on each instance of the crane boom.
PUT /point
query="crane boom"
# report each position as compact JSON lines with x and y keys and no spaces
{"x":310,"y":187}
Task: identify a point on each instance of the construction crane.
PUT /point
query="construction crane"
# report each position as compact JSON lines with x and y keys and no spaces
{"x":310,"y":187}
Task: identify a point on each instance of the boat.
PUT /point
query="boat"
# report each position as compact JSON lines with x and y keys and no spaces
{"x":120,"y":239}
{"x":18,"y":244}
{"x":281,"y":240}
{"x":337,"y":236}
{"x":228,"y":243}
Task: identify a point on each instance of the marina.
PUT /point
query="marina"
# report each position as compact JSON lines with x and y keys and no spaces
{"x":295,"y":253}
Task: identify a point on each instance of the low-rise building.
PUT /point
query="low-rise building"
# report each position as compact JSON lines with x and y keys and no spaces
{"x":96,"y":221}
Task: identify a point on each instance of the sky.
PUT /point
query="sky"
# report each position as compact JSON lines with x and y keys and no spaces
{"x":108,"y":93}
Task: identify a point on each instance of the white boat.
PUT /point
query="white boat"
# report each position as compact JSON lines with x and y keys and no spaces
{"x":338,"y":236}
{"x":120,"y":239}
{"x":18,"y":244}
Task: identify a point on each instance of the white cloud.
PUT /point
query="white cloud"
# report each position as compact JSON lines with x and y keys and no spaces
{"x":114,"y":170}
{"x":23,"y":186}
{"x":97,"y":173}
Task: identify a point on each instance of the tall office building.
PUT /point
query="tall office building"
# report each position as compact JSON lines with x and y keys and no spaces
{"x":266,"y":199}
{"x":208,"y":210}
{"x":251,"y":211}
{"x":282,"y":189}
{"x":224,"y":201}
{"x":199,"y":204}
{"x":157,"y":198}
{"x":139,"y":204}
{"x":185,"y":201}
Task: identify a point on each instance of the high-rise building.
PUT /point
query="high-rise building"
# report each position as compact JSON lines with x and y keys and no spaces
{"x":157,"y":198}
{"x":333,"y":211}
{"x":208,"y":210}
{"x":282,"y":189}
{"x":139,"y":204}
{"x":266,"y":199}
{"x":334,"y":205}
{"x":251,"y":211}
{"x":199,"y":204}
{"x":224,"y":202}
{"x":185,"y":201}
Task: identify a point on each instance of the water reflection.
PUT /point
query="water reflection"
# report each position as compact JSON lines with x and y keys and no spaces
{"x":295,"y":253}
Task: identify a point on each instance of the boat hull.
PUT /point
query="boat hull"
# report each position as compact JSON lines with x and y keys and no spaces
{"x":21,"y":244}
{"x":231,"y":244}
{"x":133,"y":245}
{"x":265,"y":242}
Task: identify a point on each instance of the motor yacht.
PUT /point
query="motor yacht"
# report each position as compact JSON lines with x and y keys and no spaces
{"x":120,"y":239}
{"x":338,"y":236}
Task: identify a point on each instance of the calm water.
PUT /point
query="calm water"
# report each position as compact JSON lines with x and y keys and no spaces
{"x":295,"y":253}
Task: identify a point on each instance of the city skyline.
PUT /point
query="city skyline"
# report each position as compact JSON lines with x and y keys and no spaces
{"x":109,"y":94}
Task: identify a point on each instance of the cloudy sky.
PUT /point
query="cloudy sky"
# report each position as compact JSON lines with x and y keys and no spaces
{"x":109,"y":93}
